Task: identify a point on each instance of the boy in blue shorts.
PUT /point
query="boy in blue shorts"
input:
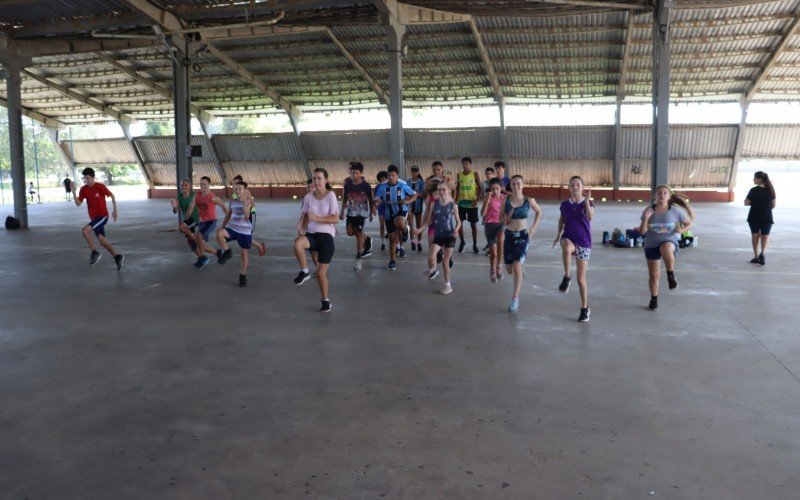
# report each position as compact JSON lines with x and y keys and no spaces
{"x":95,"y":194}
{"x":237,"y":226}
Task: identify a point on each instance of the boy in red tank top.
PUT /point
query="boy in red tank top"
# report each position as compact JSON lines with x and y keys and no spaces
{"x":95,"y":195}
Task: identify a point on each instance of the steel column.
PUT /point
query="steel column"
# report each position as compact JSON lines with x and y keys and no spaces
{"x":501,"y":106}
{"x":661,"y":89}
{"x":298,"y":141}
{"x":16,"y":147}
{"x":737,"y":152}
{"x":182,"y":105}
{"x":395,"y":31}
{"x":616,"y":176}
{"x":204,"y":124}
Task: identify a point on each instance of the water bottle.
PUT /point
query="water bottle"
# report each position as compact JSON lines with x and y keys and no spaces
{"x":606,"y":237}
{"x":694,"y":242}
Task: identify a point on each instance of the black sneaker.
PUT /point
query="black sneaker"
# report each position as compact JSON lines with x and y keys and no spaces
{"x":451,"y":263}
{"x":302,"y":277}
{"x":761,"y":259}
{"x":413,"y":247}
{"x":584,"y":317}
{"x":367,"y":246}
{"x":196,"y":264}
{"x":564,"y":286}
{"x":653,"y":303}
{"x":224,"y":256}
{"x":118,"y":260}
{"x":433,"y":274}
{"x":475,"y":249}
{"x":419,"y":247}
{"x":383,"y":247}
{"x":461,"y":246}
{"x":754,"y":260}
{"x":401,"y":252}
{"x":326,"y":306}
{"x":404,"y":236}
{"x":94,"y":257}
{"x":439,"y":256}
{"x":673,"y":284}
{"x":242,"y":280}
{"x":202,"y":262}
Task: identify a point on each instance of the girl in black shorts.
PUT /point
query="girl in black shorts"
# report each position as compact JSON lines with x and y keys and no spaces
{"x":761,"y":200}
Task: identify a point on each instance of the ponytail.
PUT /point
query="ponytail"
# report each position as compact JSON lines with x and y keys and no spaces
{"x":767,"y":183}
{"x":325,"y":174}
{"x":678,"y":199}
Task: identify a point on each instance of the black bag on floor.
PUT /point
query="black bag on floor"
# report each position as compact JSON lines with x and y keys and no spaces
{"x":12,"y":223}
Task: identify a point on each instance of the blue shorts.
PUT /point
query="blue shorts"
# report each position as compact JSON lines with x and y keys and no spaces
{"x":759,"y":227}
{"x":99,"y":225}
{"x":190,"y":223}
{"x":655,"y":252}
{"x":515,"y":246}
{"x":382,"y":210}
{"x":206,"y":228}
{"x":244,"y":240}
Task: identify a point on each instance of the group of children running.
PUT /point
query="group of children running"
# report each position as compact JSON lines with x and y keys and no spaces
{"x":406,"y":209}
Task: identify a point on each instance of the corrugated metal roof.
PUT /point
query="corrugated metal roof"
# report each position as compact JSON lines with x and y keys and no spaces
{"x":100,"y":151}
{"x":165,"y":174}
{"x":346,"y":145}
{"x":571,"y":142}
{"x":453,"y":144}
{"x":162,"y":149}
{"x":771,"y":141}
{"x":556,"y":172}
{"x":257,"y":148}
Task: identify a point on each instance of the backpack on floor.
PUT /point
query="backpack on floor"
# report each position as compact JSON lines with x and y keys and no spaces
{"x":12,"y":223}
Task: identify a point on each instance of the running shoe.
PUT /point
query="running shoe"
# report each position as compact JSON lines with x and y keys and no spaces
{"x":493,"y":278}
{"x":761,"y":259}
{"x":383,"y":246}
{"x":357,"y":264}
{"x":673,"y":284}
{"x":413,"y":246}
{"x":262,"y":249}
{"x":94,"y":257}
{"x":754,"y":260}
{"x":513,"y":306}
{"x":225,"y":256}
{"x":202,"y":262}
{"x":314,"y":273}
{"x":404,"y":235}
{"x":433,"y":274}
{"x":653,"y":303}
{"x":242,"y":280}
{"x":366,"y":253}
{"x":326,"y":306}
{"x":401,"y":252}
{"x":439,"y":256}
{"x":446,"y":289}
{"x":475,"y":249}
{"x":196,"y":264}
{"x":584,"y":317}
{"x":118,"y":260}
{"x":302,"y":277}
{"x":451,"y":263}
{"x":367,"y":247}
{"x":392,"y":266}
{"x":461,"y":246}
{"x":500,"y":274}
{"x":564,"y":286}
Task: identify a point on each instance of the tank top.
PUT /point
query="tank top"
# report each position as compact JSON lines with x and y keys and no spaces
{"x":443,"y":218}
{"x":467,"y":188}
{"x":205,"y":205}
{"x":520,"y":212}
{"x":239,"y":221}
{"x":493,"y":211}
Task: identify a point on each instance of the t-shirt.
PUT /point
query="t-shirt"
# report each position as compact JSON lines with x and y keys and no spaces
{"x":577,"y":227}
{"x":418,"y":186}
{"x":443,"y":219}
{"x":206,"y":207}
{"x":760,"y":205}
{"x":357,"y":198}
{"x":661,"y":227}
{"x":321,"y":208}
{"x":467,"y":189}
{"x":494,"y":210}
{"x":392,"y":197}
{"x":95,"y":197}
{"x":184,"y":202}
{"x":239,"y":222}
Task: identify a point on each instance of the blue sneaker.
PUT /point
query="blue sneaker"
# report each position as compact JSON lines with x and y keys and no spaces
{"x":392,"y":266}
{"x":401,"y":252}
{"x":513,"y":306}
{"x":201,"y":263}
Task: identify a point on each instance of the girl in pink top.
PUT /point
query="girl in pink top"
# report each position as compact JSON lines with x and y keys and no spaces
{"x":316,"y":229}
{"x":493,"y":227}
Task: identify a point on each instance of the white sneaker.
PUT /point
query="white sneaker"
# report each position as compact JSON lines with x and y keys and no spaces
{"x":357,"y":265}
{"x":446,"y":289}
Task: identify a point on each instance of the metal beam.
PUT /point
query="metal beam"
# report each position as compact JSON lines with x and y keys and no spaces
{"x":626,"y":56}
{"x":181,"y":91}
{"x":616,"y":175}
{"x":782,"y":47}
{"x":214,"y":153}
{"x":299,"y":144}
{"x":661,"y":89}
{"x":501,"y":107}
{"x":394,"y":33}
{"x":741,"y":132}
{"x":16,"y":148}
{"x":383,"y":97}
{"x":601,"y":4}
{"x":35,"y":115}
{"x":126,"y":131}
{"x":411,"y":14}
{"x":87,"y":99}
{"x":494,"y":82}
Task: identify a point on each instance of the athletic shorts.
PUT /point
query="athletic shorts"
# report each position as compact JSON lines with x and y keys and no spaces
{"x":515,"y":246}
{"x":322,"y":243}
{"x":655,"y":252}
{"x":190,"y":223}
{"x":445,"y":241}
{"x":244,"y":240}
{"x":99,"y":225}
{"x":757,"y":227}
{"x":355,"y":222}
{"x":469,"y":214}
{"x":580,"y":253}
{"x":493,"y":230}
{"x":382,"y":210}
{"x":206,"y":228}
{"x":390,"y":226}
{"x":416,"y":208}
{"x":253,"y":219}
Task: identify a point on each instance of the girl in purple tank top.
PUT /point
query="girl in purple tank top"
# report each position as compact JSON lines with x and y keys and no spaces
{"x":575,"y":237}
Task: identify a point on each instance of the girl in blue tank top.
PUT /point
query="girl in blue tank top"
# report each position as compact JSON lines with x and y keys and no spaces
{"x":518,"y":234}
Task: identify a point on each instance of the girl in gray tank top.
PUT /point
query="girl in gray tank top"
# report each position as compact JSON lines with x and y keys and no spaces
{"x":444,"y":217}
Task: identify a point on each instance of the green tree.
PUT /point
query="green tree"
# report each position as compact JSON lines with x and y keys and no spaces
{"x":159,"y":128}
{"x":115,"y":172}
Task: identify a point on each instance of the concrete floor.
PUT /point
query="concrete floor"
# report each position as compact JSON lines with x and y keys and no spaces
{"x":166,"y":382}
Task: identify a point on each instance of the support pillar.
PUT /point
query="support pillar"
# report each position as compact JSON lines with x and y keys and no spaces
{"x":616,"y":176}
{"x":661,"y":89}
{"x":15,"y":138}
{"x":501,"y":105}
{"x":299,"y":144}
{"x":737,"y":152}
{"x":182,"y":108}
{"x":394,"y":49}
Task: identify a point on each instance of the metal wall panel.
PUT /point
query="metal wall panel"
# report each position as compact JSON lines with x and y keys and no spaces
{"x":257,"y":148}
{"x":358,"y":144}
{"x":162,"y":149}
{"x":269,"y":172}
{"x":100,"y":151}
{"x":482,"y":142}
{"x":713,"y":141}
{"x":164,"y":174}
{"x":561,"y":142}
{"x":554,"y":172}
{"x":706,"y":172}
{"x":772,"y":141}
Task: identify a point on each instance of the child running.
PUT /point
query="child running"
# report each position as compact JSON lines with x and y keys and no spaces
{"x":316,"y":229}
{"x":443,"y":215}
{"x":358,"y":203}
{"x":206,"y":203}
{"x":468,"y":192}
{"x":381,"y":177}
{"x":237,"y":226}
{"x":417,"y":183}
{"x":396,"y":196}
{"x":95,"y":194}
{"x":491,"y":213}
{"x":248,"y":195}
{"x":518,"y":235}
{"x":187,"y":223}
{"x":662,"y":223}
{"x":575,"y":236}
